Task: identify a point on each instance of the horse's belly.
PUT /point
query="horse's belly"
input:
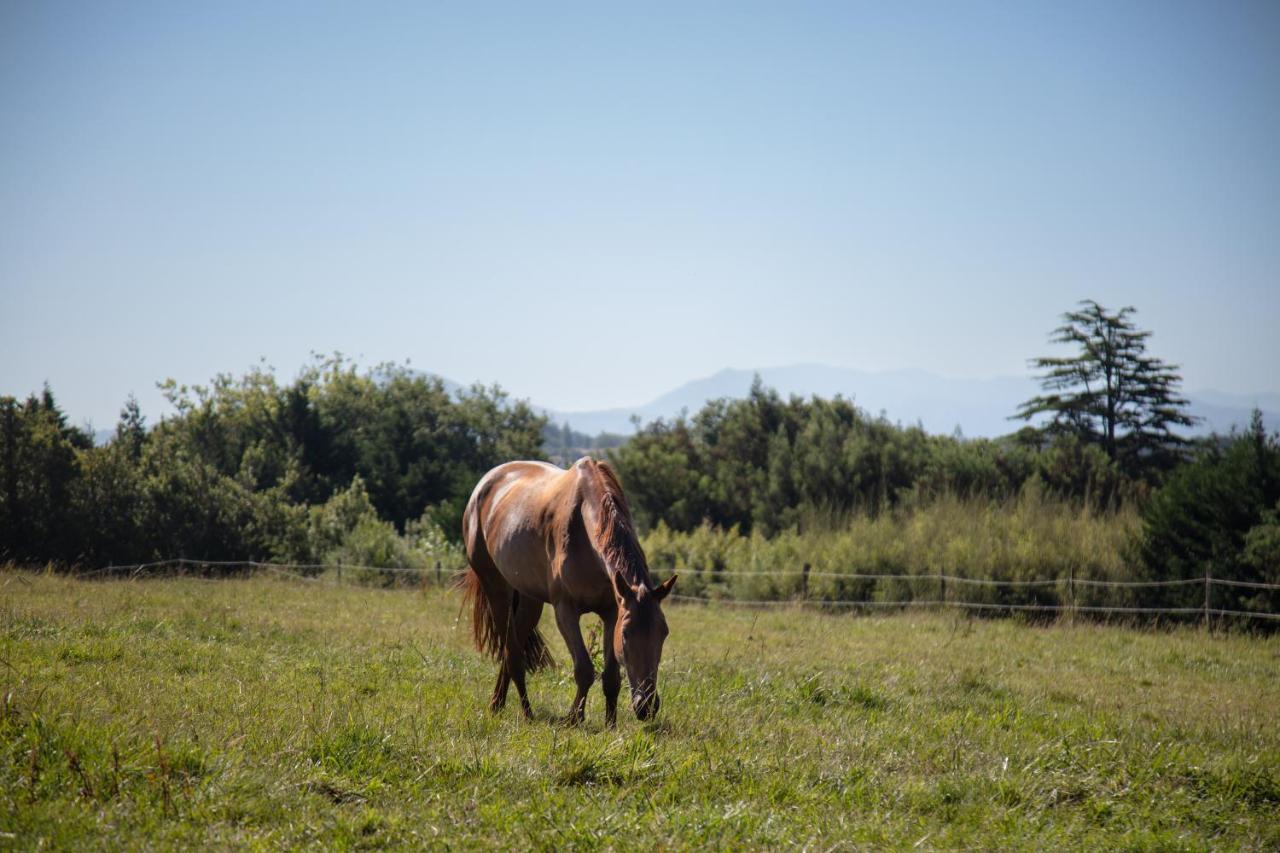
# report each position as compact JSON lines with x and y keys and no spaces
{"x":522,"y":561}
{"x":583,"y":578}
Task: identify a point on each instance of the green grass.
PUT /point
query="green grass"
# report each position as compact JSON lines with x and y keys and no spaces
{"x":260,"y":712}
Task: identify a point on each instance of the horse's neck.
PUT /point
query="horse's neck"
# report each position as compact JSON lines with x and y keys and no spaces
{"x":615,"y":541}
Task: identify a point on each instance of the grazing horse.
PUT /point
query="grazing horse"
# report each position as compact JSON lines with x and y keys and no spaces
{"x":537,"y":534}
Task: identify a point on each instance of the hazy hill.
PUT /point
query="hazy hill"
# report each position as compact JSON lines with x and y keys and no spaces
{"x":979,"y":407}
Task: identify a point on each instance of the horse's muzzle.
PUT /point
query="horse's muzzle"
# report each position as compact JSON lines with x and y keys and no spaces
{"x":646,"y":707}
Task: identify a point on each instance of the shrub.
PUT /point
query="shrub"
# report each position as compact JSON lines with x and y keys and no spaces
{"x":1215,"y":516}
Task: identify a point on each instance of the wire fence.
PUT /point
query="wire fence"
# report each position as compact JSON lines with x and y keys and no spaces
{"x":346,"y":574}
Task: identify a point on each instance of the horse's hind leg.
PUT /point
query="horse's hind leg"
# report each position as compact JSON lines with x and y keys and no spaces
{"x":491,"y":619}
{"x":498,"y":596}
{"x":500,"y":603}
{"x":498,"y":700}
{"x":527,"y":612}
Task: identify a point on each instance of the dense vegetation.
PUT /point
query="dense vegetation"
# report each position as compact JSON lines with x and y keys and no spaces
{"x":255,"y":469}
{"x":768,"y":464}
{"x":268,"y":713}
{"x":1220,"y":515}
{"x":903,"y":502}
{"x":373,"y":468}
{"x":764,"y":463}
{"x":1031,"y":537}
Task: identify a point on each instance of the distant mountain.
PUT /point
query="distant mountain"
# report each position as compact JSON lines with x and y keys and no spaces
{"x":978,"y":407}
{"x":1222,"y":411}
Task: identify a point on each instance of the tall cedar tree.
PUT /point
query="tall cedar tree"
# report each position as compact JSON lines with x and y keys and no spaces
{"x":1111,"y":393}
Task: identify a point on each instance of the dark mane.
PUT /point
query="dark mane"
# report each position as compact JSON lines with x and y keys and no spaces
{"x":615,"y":534}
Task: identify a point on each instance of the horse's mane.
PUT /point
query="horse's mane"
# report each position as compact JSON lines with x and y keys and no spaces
{"x":615,"y":533}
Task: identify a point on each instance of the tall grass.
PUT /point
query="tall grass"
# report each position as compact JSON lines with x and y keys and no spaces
{"x":1031,"y":537}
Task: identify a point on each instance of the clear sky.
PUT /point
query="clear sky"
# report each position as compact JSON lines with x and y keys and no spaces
{"x":591,"y":205}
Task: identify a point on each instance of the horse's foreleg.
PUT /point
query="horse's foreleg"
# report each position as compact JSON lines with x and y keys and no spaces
{"x":611,"y":678}
{"x":584,"y":672}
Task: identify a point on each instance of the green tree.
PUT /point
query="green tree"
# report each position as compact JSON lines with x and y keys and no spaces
{"x":112,"y":507}
{"x":1110,"y":392}
{"x":131,"y":430}
{"x":762,"y":463}
{"x":662,"y":469}
{"x":416,"y":448}
{"x":38,"y":451}
{"x":1216,"y":515}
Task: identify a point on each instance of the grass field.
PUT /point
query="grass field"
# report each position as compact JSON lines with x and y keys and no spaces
{"x":269,"y":712}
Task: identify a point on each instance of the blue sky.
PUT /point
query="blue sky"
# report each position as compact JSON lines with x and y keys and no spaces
{"x":591,"y":206}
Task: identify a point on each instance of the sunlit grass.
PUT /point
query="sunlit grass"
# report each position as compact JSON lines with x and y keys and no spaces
{"x":176,"y":713}
{"x":1033,"y":536}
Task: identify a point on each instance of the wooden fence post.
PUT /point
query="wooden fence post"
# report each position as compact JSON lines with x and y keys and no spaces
{"x":339,"y":574}
{"x":942,"y":588}
{"x":1071,"y":595}
{"x":804,"y":581}
{"x":1206,"y":597}
{"x":438,"y":581}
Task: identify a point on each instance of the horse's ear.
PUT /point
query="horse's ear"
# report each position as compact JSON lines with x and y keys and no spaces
{"x":625,"y":592}
{"x":665,"y":587}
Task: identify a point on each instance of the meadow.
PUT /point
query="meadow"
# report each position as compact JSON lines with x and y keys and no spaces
{"x":265,"y":712}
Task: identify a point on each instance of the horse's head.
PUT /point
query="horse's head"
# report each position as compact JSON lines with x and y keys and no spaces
{"x":640,"y":631}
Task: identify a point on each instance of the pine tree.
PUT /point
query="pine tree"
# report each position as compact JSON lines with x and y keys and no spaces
{"x":131,"y":430}
{"x":1110,"y":392}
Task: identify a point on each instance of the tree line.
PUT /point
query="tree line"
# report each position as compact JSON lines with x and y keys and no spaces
{"x":1104,"y":434}
{"x":374,"y":466}
{"x":250,"y":468}
{"x":1108,"y":435}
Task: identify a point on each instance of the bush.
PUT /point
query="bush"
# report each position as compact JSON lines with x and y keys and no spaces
{"x":1033,"y":536}
{"x":766,"y":464}
{"x":250,"y":469}
{"x":1217,"y":516}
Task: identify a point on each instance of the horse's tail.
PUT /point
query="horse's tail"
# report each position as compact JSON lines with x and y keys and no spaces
{"x":493,"y":602}
{"x":485,"y":630}
{"x":490,"y":632}
{"x":536,"y":654}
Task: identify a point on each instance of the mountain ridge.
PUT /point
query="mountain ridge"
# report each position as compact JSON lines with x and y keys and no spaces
{"x":978,"y":407}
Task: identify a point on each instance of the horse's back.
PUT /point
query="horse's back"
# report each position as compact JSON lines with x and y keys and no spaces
{"x":493,"y":487}
{"x":506,"y":519}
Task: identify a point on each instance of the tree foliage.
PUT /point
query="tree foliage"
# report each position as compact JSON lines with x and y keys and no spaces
{"x":1218,"y":515}
{"x":373,"y":467}
{"x":768,"y":464}
{"x":235,"y":474}
{"x":1110,"y":393}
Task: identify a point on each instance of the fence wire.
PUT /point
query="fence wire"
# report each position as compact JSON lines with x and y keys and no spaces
{"x":296,"y":571}
{"x":970,"y":605}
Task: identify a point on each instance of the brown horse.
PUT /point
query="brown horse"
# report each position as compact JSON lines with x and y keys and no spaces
{"x":537,"y":534}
